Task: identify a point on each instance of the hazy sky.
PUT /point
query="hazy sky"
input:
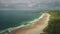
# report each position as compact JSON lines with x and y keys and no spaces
{"x":29,"y":4}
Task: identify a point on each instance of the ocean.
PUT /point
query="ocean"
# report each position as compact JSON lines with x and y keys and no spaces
{"x":14,"y":18}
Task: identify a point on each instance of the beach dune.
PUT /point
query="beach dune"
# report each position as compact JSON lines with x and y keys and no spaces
{"x":35,"y":28}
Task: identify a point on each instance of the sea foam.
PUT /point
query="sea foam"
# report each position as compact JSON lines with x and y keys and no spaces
{"x":13,"y":28}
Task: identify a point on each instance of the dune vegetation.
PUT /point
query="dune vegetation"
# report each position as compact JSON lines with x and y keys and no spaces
{"x":54,"y":22}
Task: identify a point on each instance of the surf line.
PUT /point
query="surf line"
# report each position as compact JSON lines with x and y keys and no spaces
{"x":13,"y":28}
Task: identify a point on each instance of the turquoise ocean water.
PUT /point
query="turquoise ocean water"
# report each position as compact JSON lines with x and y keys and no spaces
{"x":14,"y":18}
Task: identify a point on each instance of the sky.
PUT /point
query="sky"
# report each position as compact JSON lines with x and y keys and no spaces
{"x":29,"y":4}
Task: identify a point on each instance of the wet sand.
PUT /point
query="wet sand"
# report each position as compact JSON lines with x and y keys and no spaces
{"x":35,"y":28}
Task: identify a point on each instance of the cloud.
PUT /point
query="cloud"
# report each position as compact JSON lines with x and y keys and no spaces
{"x":29,"y":4}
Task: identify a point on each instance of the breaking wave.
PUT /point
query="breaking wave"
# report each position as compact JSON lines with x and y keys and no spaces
{"x":6,"y":31}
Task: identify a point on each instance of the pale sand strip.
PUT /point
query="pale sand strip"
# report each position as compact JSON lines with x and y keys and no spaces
{"x":35,"y":28}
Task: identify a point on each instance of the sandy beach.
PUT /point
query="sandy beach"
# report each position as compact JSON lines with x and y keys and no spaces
{"x":35,"y":28}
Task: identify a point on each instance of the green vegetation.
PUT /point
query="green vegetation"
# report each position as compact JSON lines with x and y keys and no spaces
{"x":54,"y":23}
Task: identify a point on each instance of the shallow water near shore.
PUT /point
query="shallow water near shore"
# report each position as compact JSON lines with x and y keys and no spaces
{"x":14,"y":18}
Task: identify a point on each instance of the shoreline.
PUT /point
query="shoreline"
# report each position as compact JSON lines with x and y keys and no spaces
{"x":36,"y":28}
{"x":14,"y":28}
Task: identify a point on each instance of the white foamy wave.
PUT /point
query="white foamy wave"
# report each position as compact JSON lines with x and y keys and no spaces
{"x":36,"y":19}
{"x":13,"y":28}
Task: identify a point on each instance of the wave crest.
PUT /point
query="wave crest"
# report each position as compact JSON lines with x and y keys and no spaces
{"x":13,"y":28}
